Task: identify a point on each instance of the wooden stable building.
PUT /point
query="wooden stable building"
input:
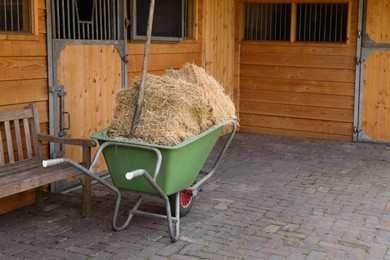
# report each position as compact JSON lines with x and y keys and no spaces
{"x":302,"y":68}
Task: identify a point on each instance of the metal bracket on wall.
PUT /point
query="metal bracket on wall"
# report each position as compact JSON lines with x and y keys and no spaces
{"x":369,"y":46}
{"x":363,"y":136}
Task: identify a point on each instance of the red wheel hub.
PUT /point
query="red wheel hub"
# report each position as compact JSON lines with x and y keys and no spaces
{"x":185,"y":198}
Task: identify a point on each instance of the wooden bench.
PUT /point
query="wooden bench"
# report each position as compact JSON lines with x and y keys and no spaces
{"x":21,"y":155}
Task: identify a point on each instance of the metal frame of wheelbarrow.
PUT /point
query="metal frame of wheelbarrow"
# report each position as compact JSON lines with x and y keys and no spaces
{"x":173,"y":222}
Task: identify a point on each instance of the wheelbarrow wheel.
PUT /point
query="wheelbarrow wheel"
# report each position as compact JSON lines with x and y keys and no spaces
{"x":186,"y":200}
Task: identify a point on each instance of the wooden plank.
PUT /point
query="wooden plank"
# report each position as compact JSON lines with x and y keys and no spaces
{"x":300,"y":99}
{"x":288,"y":72}
{"x":296,"y":124}
{"x":384,"y":96}
{"x":297,"y":111}
{"x":304,"y":86}
{"x":43,"y":109}
{"x":385,"y":30}
{"x":18,"y":138}
{"x":370,"y":95}
{"x":218,"y":41}
{"x":374,"y":19}
{"x":299,"y":48}
{"x":15,"y":114}
{"x":27,"y":138}
{"x":8,"y":136}
{"x":23,"y":91}
{"x":41,"y":21}
{"x":16,"y":201}
{"x":292,"y":133}
{"x":16,"y":68}
{"x":24,"y":47}
{"x":29,"y":174}
{"x":35,"y":129}
{"x":299,"y":60}
{"x":2,"y":160}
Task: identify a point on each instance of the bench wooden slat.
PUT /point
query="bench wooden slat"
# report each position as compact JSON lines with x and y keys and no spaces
{"x":18,"y":140}
{"x":1,"y":150}
{"x":8,"y":137}
{"x":36,"y":130}
{"x":28,"y":139}
{"x":15,"y":114}
{"x":30,"y":175}
{"x":21,"y":166}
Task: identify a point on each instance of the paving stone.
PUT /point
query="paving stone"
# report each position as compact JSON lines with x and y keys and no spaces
{"x":316,"y":255}
{"x":270,"y":198}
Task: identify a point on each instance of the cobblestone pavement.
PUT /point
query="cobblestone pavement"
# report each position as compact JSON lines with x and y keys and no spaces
{"x":272,"y":198}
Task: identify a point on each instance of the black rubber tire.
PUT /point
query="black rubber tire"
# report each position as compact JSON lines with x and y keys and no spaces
{"x":186,"y":203}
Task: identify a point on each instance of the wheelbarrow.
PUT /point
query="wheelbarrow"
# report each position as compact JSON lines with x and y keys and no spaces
{"x":170,"y":172}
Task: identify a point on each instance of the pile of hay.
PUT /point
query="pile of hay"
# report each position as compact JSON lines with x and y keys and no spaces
{"x":178,"y":105}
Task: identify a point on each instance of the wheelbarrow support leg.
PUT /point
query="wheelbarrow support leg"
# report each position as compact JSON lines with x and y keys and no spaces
{"x":174,"y":232}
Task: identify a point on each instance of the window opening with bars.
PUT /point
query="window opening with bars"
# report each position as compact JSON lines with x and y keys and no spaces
{"x":267,"y":22}
{"x":87,"y":19}
{"x":300,"y":22}
{"x":322,"y":22}
{"x":15,"y":16}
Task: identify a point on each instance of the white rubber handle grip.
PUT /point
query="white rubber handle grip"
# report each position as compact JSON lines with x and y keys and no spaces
{"x":52,"y":162}
{"x":134,"y":174}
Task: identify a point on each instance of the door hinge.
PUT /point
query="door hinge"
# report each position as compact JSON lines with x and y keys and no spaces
{"x":356,"y":130}
{"x":359,"y":34}
{"x":359,"y":60}
{"x":125,"y":58}
{"x":59,"y":91}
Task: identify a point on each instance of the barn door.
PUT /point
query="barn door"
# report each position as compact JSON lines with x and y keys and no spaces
{"x":374,"y":101}
{"x":87,"y":66}
{"x":218,"y":41}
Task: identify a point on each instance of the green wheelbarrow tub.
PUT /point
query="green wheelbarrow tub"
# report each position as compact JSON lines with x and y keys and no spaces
{"x":180,"y":165}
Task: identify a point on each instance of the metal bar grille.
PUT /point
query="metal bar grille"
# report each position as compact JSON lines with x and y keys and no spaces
{"x":15,"y":16}
{"x":68,"y":22}
{"x":322,"y":22}
{"x":267,"y":22}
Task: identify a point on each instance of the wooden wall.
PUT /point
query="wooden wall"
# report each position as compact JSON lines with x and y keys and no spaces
{"x":23,"y":79}
{"x":299,"y":89}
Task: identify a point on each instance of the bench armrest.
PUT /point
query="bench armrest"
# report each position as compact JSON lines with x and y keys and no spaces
{"x":85,"y":143}
{"x":70,"y":141}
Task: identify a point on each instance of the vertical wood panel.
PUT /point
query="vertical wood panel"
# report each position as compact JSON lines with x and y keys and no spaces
{"x":376,"y":91}
{"x":218,"y":41}
{"x":378,"y":19}
{"x":376,"y":83}
{"x":91,"y":75}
